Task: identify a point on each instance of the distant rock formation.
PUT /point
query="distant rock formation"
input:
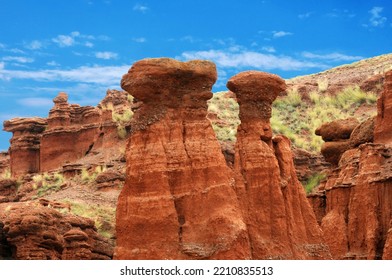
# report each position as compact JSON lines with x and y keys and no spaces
{"x":181,"y":201}
{"x":279,"y":219}
{"x":355,"y":204}
{"x":32,"y":232}
{"x":25,"y":144}
{"x":68,"y":134}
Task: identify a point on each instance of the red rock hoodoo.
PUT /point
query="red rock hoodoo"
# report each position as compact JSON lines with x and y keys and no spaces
{"x":178,"y":201}
{"x":280,"y":221}
{"x":181,"y":201}
{"x":357,"y":198}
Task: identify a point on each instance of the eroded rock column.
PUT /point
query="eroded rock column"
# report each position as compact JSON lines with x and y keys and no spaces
{"x":280,"y":222}
{"x":178,"y":201}
{"x":25,"y":144}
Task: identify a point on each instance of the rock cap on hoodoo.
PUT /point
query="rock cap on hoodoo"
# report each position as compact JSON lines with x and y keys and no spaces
{"x":155,"y":78}
{"x":256,"y":86}
{"x":62,"y":97}
{"x":337,"y":129}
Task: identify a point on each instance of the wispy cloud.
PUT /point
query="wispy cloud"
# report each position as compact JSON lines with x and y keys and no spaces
{"x":305,"y":15}
{"x":331,"y":56}
{"x":279,"y":34}
{"x":77,"y":38}
{"x":19,"y":59}
{"x":106,"y":55}
{"x":376,"y":18}
{"x":269,"y":49}
{"x":36,"y":102}
{"x":64,"y":40}
{"x":141,"y":8}
{"x":105,"y":75}
{"x":35,"y":45}
{"x":245,"y":59}
{"x":139,"y":40}
{"x":52,"y":63}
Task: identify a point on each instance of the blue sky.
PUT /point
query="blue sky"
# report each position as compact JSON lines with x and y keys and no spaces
{"x":83,"y":47}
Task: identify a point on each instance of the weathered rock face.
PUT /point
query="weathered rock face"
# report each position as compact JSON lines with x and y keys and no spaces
{"x":383,"y":124}
{"x":337,"y":136}
{"x":355,"y":204}
{"x":76,"y":128}
{"x":307,"y":164}
{"x":178,"y":201}
{"x":279,"y":219}
{"x":25,"y":144}
{"x":33,"y":232}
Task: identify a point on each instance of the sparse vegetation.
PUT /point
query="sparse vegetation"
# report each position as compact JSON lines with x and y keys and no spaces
{"x":6,"y":174}
{"x":299,"y":122}
{"x":89,"y":176}
{"x":314,"y":181}
{"x":226,"y":110}
{"x":103,"y":216}
{"x":47,"y":183}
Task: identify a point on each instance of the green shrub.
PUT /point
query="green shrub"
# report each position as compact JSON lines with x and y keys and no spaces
{"x":47,"y":183}
{"x":6,"y":174}
{"x":89,"y":176}
{"x":314,"y":181}
{"x":103,"y":216}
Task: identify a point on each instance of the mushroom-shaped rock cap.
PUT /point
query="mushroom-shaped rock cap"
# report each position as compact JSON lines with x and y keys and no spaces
{"x":165,"y":78}
{"x":256,"y":86}
{"x":62,"y":97}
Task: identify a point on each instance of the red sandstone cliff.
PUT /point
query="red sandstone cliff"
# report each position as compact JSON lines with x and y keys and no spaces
{"x":355,"y":204}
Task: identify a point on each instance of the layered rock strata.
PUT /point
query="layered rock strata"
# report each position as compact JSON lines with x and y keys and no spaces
{"x":178,"y":201}
{"x":279,"y":219}
{"x":357,"y":197}
{"x":32,"y":232}
{"x":76,"y":128}
{"x":383,"y":123}
{"x":25,"y":144}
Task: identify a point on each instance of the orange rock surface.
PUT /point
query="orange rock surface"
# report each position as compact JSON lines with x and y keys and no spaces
{"x":178,"y":201}
{"x":280,"y":221}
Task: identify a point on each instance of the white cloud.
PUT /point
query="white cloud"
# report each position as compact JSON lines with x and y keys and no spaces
{"x":15,"y":50}
{"x":52,"y":63}
{"x":269,"y":49}
{"x":77,"y":38}
{"x":36,"y":102}
{"x":305,"y":15}
{"x":104,"y":75}
{"x":2,"y":46}
{"x":19,"y":59}
{"x":64,"y":40}
{"x":2,"y":64}
{"x":376,"y":19}
{"x":139,"y":40}
{"x":279,"y":34}
{"x":140,"y":8}
{"x":331,"y":56}
{"x":34,"y":45}
{"x":106,"y":55}
{"x":246,"y":59}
